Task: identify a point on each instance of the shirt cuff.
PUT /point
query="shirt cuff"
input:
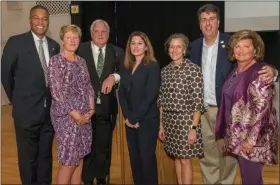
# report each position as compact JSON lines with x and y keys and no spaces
{"x":117,"y":77}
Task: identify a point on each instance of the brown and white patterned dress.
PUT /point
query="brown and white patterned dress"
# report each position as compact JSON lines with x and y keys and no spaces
{"x":181,"y":94}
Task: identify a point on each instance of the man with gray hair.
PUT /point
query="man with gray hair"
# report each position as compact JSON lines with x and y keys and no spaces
{"x":104,"y":61}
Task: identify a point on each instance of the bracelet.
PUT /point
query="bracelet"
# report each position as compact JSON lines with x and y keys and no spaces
{"x":91,"y":109}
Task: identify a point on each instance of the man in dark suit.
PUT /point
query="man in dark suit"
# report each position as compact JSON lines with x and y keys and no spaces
{"x":104,"y":61}
{"x":24,"y":63}
{"x":210,"y":53}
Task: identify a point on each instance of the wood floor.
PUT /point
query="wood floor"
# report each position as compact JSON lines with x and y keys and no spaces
{"x":10,"y":173}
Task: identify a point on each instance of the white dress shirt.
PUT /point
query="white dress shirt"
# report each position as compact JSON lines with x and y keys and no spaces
{"x":209,"y":61}
{"x":45,"y":46}
{"x":95,"y":53}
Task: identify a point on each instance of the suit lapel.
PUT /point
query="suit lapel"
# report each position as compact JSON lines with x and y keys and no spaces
{"x":51,"y":48}
{"x":90,"y":60}
{"x":222,"y":56}
{"x":32,"y":47}
{"x":109,"y":57}
{"x":35,"y":63}
{"x":199,"y":52}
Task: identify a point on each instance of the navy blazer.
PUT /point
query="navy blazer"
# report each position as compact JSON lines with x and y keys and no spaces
{"x":223,"y":67}
{"x":23,"y":77}
{"x":139,"y":91}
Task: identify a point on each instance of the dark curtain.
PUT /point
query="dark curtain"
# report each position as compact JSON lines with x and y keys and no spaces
{"x":155,"y":18}
{"x":272,"y":46}
{"x":159,"y":20}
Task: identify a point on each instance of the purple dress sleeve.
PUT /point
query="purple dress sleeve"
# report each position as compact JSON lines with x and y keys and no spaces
{"x":59,"y":89}
{"x":261,"y":95}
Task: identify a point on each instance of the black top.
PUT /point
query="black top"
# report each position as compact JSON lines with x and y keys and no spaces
{"x":139,"y":92}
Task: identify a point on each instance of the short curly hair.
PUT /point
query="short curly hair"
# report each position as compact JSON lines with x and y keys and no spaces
{"x":181,"y":36}
{"x":73,"y":28}
{"x":247,"y":34}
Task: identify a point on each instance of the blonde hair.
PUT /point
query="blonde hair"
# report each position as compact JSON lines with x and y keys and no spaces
{"x":149,"y":57}
{"x":247,"y":34}
{"x":72,"y":27}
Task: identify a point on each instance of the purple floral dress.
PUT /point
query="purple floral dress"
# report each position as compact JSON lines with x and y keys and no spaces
{"x":70,"y":87}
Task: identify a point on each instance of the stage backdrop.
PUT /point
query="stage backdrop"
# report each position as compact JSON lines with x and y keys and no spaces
{"x":157,"y":19}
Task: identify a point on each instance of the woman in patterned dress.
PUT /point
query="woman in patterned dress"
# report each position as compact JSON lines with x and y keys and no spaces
{"x":181,"y":103}
{"x":246,"y":118}
{"x":72,"y":106}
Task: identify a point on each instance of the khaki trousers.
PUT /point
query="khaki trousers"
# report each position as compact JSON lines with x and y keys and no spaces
{"x":217,"y":167}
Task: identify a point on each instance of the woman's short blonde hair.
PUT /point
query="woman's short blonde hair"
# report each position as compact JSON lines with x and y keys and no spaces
{"x":72,"y":27}
{"x":247,"y":34}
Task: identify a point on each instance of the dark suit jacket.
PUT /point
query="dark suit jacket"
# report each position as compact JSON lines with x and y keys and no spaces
{"x":114,"y":60}
{"x":223,"y":66}
{"x":23,"y":77}
{"x":139,"y":92}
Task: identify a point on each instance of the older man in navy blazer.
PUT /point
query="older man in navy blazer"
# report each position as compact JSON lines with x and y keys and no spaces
{"x":24,"y":63}
{"x":210,"y":53}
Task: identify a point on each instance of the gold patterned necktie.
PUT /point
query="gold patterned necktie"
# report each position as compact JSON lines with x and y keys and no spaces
{"x":100,"y":63}
{"x":43,"y":60}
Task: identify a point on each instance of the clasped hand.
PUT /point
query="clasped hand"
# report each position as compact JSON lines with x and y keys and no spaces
{"x":82,"y":119}
{"x":131,"y":125}
{"x":246,"y":147}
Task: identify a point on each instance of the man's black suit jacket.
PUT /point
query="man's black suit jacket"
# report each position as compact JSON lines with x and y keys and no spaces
{"x":223,"y":66}
{"x":23,"y":77}
{"x":114,"y":63}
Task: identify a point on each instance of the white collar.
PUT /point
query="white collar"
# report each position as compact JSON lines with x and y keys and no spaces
{"x":216,"y":41}
{"x":96,"y":48}
{"x":36,"y":38}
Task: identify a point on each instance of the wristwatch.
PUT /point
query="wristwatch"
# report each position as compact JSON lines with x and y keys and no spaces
{"x":193,"y":127}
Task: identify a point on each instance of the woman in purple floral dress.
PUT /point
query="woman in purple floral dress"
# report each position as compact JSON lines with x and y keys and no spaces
{"x":72,"y":106}
{"x":246,"y":118}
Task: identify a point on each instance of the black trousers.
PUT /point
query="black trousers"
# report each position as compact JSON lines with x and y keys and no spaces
{"x":142,"y":151}
{"x":97,"y":163}
{"x":34,"y":146}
